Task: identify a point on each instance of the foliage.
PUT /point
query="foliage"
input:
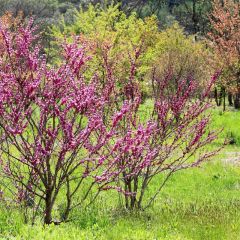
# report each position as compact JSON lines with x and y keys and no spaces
{"x":9,"y":22}
{"x":192,"y":15}
{"x":175,"y":50}
{"x":42,"y":10}
{"x":225,"y":36}
{"x":110,"y":28}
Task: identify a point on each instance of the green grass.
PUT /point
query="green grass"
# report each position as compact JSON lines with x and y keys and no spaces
{"x":229,"y":121}
{"x":202,"y":203}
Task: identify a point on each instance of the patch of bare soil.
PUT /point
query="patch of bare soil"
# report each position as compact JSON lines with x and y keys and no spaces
{"x":232,"y":158}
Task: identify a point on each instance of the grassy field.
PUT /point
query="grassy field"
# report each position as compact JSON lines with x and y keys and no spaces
{"x":202,"y":203}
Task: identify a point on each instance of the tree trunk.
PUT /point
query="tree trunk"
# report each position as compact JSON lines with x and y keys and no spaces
{"x":48,"y":208}
{"x":237,"y":96}
{"x":224,"y":98}
{"x":221,"y":96}
{"x":217,"y":98}
{"x":131,"y":188}
{"x":230,"y":99}
{"x":237,"y":101}
{"x":134,"y":196}
{"x":195,"y":17}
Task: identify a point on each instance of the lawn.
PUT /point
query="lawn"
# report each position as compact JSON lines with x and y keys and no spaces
{"x":202,"y":203}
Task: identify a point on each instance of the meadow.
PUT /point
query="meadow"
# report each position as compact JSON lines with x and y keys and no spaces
{"x":201,"y":203}
{"x":119,"y":120}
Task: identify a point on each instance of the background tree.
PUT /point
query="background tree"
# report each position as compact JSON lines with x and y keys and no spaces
{"x":192,"y":15}
{"x":225,"y":37}
{"x":182,"y":55}
{"x":103,"y":28}
{"x":42,"y":10}
{"x":160,"y":48}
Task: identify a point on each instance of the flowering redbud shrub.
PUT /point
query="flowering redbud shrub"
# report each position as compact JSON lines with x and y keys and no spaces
{"x":51,"y":126}
{"x":66,"y":135}
{"x":171,"y":138}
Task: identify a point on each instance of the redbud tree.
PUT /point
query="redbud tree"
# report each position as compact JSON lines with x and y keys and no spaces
{"x":67,"y":134}
{"x":51,"y":125}
{"x":172,"y":137}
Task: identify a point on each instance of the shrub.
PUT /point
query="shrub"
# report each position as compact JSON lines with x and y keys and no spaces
{"x":171,"y":138}
{"x":183,"y":55}
{"x":51,"y":125}
{"x":66,"y":131}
